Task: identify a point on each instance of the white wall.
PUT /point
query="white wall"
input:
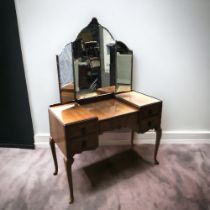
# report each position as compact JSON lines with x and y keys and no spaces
{"x":171,"y":45}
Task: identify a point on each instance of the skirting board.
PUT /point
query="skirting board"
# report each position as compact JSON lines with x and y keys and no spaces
{"x":124,"y":137}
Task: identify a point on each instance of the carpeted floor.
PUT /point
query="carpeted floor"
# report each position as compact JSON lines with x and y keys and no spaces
{"x":109,"y":178}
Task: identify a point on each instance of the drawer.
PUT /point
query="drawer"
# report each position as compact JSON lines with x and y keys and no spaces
{"x":126,"y":121}
{"x":80,"y":144}
{"x":149,"y":123}
{"x":83,"y":128}
{"x":150,"y":110}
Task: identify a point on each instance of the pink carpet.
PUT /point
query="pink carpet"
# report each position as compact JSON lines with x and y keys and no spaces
{"x":109,"y":178}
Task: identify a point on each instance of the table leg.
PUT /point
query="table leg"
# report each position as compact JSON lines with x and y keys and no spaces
{"x":68,"y":165}
{"x":157,"y":143}
{"x":52,"y":146}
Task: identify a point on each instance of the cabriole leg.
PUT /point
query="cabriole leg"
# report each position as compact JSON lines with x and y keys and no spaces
{"x":52,"y":146}
{"x":68,"y":165}
{"x":157,"y":143}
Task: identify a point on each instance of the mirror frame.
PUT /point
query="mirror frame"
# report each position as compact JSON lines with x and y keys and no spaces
{"x":118,"y":46}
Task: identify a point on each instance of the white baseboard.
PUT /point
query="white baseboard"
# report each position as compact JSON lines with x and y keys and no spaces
{"x":108,"y":138}
{"x":175,"y":137}
{"x":123,"y":138}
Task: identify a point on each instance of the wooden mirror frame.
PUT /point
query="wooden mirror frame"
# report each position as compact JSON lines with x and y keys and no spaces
{"x":118,"y":46}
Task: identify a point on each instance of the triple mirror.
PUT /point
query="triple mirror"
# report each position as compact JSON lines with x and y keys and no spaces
{"x":94,"y":64}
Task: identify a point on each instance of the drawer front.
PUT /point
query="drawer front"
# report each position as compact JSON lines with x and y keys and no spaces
{"x":83,"y":128}
{"x":127,"y":121}
{"x":80,"y":144}
{"x":150,"y":110}
{"x":149,"y":123}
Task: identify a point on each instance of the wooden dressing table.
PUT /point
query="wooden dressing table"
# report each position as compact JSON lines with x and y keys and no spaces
{"x":75,"y":126}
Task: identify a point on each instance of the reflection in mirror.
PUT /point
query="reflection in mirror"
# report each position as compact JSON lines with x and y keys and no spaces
{"x":91,"y":55}
{"x":124,"y":63}
{"x":106,"y":40}
{"x":65,"y":74}
{"x":94,"y":64}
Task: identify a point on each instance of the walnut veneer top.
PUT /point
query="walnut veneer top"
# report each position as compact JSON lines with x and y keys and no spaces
{"x":109,"y":108}
{"x":137,"y":99}
{"x":72,"y":112}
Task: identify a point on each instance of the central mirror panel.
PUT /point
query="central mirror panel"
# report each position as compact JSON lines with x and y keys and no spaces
{"x":91,"y":60}
{"x":94,"y":64}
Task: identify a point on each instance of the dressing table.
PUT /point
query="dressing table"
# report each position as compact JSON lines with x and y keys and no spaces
{"x":95,"y":82}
